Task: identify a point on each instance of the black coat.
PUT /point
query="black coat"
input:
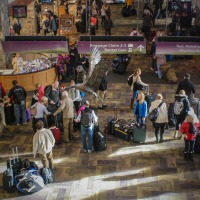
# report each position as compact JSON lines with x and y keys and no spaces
{"x":187,"y":86}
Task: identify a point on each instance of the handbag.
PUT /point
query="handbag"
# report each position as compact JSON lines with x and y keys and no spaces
{"x":130,"y":81}
{"x":137,"y":86}
{"x":34,"y":111}
{"x":153,"y":115}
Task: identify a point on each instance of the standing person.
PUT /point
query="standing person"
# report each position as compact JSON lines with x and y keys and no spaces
{"x":135,"y":79}
{"x":102,"y":92}
{"x":19,"y":95}
{"x":16,"y":27}
{"x":67,"y":107}
{"x":103,"y":14}
{"x":187,"y":86}
{"x":67,"y":7}
{"x":108,"y":25}
{"x":54,"y":24}
{"x":87,"y":118}
{"x":147,"y":23}
{"x":160,"y":60}
{"x":43,"y":143}
{"x":40,"y":110}
{"x":162,"y":118}
{"x":60,"y":68}
{"x":181,"y":109}
{"x":189,"y":130}
{"x":46,"y":24}
{"x":38,"y":93}
{"x":140,"y":109}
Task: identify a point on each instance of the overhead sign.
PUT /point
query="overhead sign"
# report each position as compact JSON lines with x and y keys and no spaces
{"x":35,"y":46}
{"x":178,"y":48}
{"x":113,"y":47}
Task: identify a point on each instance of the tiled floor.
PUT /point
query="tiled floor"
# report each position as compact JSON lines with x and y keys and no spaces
{"x":124,"y":170}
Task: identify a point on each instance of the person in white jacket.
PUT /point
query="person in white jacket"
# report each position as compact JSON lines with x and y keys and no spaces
{"x":162,"y":118}
{"x":43,"y":142}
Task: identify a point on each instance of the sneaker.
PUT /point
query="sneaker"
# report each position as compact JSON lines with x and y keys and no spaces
{"x":89,"y":151}
{"x":84,"y":150}
{"x":17,"y":124}
{"x":25,"y":123}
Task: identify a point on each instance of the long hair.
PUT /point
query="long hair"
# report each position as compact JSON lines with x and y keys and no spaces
{"x":142,"y":97}
{"x":137,"y":72}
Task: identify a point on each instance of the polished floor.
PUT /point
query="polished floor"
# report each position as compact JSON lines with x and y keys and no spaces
{"x":125,"y":170}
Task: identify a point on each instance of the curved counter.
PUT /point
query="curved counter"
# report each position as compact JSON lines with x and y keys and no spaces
{"x":29,"y":80}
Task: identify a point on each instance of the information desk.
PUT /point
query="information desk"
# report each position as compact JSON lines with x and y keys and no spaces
{"x":29,"y":80}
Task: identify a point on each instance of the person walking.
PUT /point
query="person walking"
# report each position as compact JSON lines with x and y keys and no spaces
{"x":189,"y":131}
{"x":187,"y":86}
{"x":67,"y":106}
{"x":181,"y":109}
{"x":162,"y":118}
{"x":19,"y":95}
{"x":108,"y":23}
{"x":88,"y":118}
{"x":135,"y":79}
{"x":43,"y":143}
{"x":160,"y":60}
{"x":140,"y":109}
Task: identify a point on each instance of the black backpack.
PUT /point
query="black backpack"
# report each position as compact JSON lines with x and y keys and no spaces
{"x":86,"y":118}
{"x":19,"y":97}
{"x":46,"y":23}
{"x":153,"y":115}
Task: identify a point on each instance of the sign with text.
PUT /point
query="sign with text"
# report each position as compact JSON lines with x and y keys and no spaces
{"x":113,"y":47}
{"x":178,"y":48}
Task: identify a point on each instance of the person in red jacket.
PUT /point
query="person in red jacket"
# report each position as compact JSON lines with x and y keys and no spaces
{"x":189,"y":130}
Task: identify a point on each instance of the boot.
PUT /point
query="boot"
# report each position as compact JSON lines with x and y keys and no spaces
{"x":176,"y":134}
{"x":132,"y":103}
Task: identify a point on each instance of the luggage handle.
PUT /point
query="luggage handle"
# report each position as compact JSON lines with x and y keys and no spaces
{"x":15,"y":154}
{"x":10,"y":164}
{"x":147,"y":89}
{"x":13,"y":151}
{"x":115,"y":112}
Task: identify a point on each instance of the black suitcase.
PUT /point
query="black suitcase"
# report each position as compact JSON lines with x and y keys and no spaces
{"x":16,"y":162}
{"x":125,"y":12}
{"x":9,"y":114}
{"x":99,"y":141}
{"x":196,"y":106}
{"x":197,"y":144}
{"x":111,"y":122}
{"x":8,"y":179}
{"x":171,"y":116}
{"x":149,"y":98}
{"x":139,"y":133}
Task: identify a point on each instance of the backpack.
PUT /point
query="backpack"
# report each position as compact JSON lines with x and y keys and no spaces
{"x":29,"y":181}
{"x":47,"y":175}
{"x":19,"y":96}
{"x":27,"y":164}
{"x":86,"y":118}
{"x":46,"y":23}
{"x":153,"y":115}
{"x":178,"y":107}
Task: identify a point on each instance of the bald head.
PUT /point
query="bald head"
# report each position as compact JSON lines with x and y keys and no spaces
{"x":65,"y":94}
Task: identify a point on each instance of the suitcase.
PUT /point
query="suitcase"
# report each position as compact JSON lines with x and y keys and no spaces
{"x":195,"y":104}
{"x":139,"y":133}
{"x":99,"y":141}
{"x":111,"y":122}
{"x":56,"y":133}
{"x":8,"y":179}
{"x":171,"y":116}
{"x":149,"y":98}
{"x":125,"y":12}
{"x":9,"y":114}
{"x":15,"y":161}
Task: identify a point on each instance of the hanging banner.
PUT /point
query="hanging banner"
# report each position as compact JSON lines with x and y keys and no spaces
{"x":35,"y":46}
{"x":113,"y":47}
{"x":178,"y":48}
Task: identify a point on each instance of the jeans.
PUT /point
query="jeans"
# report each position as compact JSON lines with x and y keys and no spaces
{"x":179,"y":120}
{"x":159,"y":71}
{"x":84,"y":132}
{"x":135,"y":93}
{"x":139,"y":120}
{"x":20,"y":111}
{"x":159,"y":128}
{"x":189,"y":146}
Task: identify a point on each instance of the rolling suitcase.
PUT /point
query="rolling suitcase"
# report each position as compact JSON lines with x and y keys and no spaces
{"x":99,"y":141}
{"x":195,"y":104}
{"x":111,"y":122}
{"x":56,"y":133}
{"x":139,"y":133}
{"x":8,"y":179}
{"x":15,"y":161}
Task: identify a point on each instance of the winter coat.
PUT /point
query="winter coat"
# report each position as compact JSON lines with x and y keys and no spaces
{"x":186,"y":103}
{"x":142,"y":109}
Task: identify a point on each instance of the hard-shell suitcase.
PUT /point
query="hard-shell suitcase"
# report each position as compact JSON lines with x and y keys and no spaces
{"x":139,"y":133}
{"x":99,"y":141}
{"x":8,"y":179}
{"x":195,"y":104}
{"x":197,"y":145}
{"x":15,"y":161}
{"x":111,"y":122}
{"x":56,"y":133}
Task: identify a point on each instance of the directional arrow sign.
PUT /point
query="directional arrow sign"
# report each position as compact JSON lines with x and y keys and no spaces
{"x":113,"y":47}
{"x":140,"y":47}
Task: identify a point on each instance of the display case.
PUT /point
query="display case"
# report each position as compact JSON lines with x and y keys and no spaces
{"x":67,"y":25}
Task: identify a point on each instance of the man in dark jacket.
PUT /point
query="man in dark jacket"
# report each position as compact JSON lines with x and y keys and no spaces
{"x":19,"y":96}
{"x":108,"y":24}
{"x":187,"y":86}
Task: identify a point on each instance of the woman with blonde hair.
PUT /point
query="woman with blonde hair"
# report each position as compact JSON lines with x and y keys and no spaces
{"x":162,"y":118}
{"x":189,"y":130}
{"x":135,"y":80}
{"x":140,"y":109}
{"x":40,"y":110}
{"x":181,"y":109}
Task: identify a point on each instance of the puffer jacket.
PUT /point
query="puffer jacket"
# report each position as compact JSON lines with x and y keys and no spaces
{"x":186,"y":103}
